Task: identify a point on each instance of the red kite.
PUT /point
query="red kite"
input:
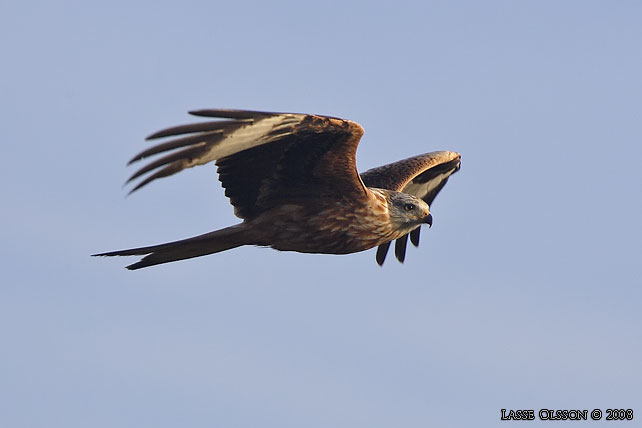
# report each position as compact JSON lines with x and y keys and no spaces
{"x":293,"y":180}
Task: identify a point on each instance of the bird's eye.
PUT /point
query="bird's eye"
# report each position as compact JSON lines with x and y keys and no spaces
{"x":409,"y":207}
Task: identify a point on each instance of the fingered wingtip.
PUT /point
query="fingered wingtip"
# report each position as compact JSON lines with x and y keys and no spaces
{"x":382,"y":251}
{"x":414,"y":236}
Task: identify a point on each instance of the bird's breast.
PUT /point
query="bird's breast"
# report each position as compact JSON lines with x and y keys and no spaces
{"x":337,"y":226}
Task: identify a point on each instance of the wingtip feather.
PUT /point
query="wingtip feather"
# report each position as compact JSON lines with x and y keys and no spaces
{"x":382,"y":251}
{"x":230,"y":113}
{"x":414,"y":236}
{"x":400,"y":248}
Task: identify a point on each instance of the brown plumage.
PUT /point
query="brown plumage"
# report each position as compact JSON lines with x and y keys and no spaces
{"x":422,"y":176}
{"x":292,"y":178}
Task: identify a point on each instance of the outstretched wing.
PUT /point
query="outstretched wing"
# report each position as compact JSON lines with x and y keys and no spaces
{"x":262,"y":157}
{"x":423,"y":176}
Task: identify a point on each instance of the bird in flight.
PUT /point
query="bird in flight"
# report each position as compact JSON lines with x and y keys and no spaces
{"x":293,"y":180}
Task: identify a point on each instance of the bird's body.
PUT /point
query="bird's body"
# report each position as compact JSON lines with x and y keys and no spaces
{"x":305,"y":227}
{"x":292,"y":178}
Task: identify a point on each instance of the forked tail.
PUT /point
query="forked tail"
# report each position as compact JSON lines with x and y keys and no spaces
{"x":209,"y":243}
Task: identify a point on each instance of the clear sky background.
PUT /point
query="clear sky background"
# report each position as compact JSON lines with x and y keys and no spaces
{"x":525,"y":294}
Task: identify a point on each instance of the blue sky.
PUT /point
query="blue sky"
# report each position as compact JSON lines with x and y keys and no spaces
{"x":525,"y":294}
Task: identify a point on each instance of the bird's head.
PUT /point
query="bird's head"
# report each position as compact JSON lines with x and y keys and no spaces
{"x":407,"y":211}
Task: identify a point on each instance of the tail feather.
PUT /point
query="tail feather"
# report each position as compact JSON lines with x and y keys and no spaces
{"x":208,"y":243}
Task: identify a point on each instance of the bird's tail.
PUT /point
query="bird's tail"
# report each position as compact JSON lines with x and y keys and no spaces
{"x":209,"y":243}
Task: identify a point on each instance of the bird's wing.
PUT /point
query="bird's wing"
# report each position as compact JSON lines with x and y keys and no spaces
{"x":262,"y":157}
{"x":423,"y":176}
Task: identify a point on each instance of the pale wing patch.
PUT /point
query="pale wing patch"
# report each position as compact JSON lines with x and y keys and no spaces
{"x":258,"y":133}
{"x":420,"y":190}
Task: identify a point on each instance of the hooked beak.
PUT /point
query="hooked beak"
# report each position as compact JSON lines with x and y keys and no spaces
{"x":428,"y":220}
